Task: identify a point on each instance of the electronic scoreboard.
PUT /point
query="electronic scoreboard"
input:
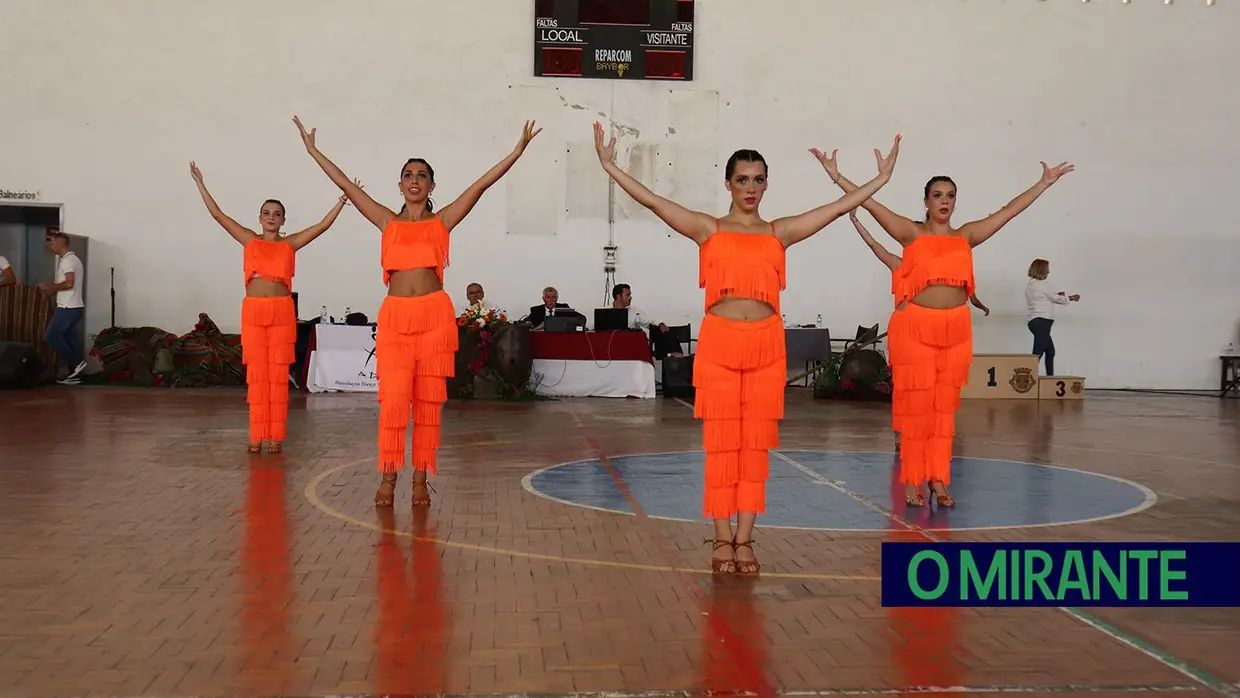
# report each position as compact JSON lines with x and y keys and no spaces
{"x":614,"y":39}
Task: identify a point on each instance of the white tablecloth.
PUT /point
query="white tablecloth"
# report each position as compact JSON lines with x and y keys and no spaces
{"x":343,"y":360}
{"x":562,"y":378}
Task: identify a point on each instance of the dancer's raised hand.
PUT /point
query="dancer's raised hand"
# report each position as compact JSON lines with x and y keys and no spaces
{"x":828,"y":162}
{"x":307,"y":138}
{"x":527,"y":134}
{"x":344,"y":198}
{"x":1050,"y":175}
{"x":606,"y":153}
{"x":195,"y":173}
{"x":887,"y":165}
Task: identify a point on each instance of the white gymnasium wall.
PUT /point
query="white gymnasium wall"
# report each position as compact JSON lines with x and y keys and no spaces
{"x":104,"y":104}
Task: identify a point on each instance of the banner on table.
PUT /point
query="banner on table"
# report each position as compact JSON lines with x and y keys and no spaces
{"x":344,"y":359}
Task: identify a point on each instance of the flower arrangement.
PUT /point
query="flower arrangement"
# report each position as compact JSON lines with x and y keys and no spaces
{"x":479,"y":325}
{"x":854,"y":375}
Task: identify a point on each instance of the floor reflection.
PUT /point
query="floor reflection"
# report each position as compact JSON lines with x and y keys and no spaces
{"x":734,"y":641}
{"x":267,"y":580}
{"x":411,"y":635}
{"x":924,"y":642}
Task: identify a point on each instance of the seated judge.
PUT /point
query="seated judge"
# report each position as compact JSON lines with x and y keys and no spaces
{"x":477,"y":297}
{"x":551,"y":299}
{"x":665,"y":344}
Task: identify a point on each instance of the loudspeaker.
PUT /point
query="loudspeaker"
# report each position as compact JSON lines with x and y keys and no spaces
{"x":20,"y":365}
{"x":678,"y":377}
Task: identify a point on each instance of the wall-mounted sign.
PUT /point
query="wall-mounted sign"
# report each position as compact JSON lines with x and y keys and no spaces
{"x":614,"y":39}
{"x":18,"y":194}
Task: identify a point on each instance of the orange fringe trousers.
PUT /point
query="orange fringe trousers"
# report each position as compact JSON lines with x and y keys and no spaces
{"x":268,"y":341}
{"x":739,"y":373}
{"x":415,"y":351}
{"x":931,"y":351}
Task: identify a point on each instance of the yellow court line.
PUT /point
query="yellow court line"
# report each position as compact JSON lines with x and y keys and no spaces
{"x":311,"y":494}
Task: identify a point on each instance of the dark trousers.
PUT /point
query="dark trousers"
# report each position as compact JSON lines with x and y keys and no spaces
{"x":62,"y":338}
{"x":664,"y":343}
{"x":1043,"y":345}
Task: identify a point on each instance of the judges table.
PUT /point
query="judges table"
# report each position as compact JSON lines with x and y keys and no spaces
{"x":593,"y":364}
{"x":342,"y":358}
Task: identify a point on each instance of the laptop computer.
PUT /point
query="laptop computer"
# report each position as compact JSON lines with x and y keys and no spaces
{"x":611,"y":319}
{"x":570,"y":321}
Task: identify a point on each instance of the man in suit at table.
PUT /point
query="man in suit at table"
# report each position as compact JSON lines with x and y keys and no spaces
{"x":551,"y":299}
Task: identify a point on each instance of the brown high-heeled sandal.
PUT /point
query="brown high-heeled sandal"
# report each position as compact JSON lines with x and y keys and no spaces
{"x":275,"y":447}
{"x":914,"y":499}
{"x":386,"y":496}
{"x":746,"y":566}
{"x":255,"y":447}
{"x":720,"y":565}
{"x":425,"y":499}
{"x":945,"y":500}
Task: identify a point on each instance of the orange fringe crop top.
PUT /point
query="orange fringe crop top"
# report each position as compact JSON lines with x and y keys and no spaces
{"x":414,"y":245}
{"x":742,"y":265}
{"x":273,"y":260}
{"x":934,"y":260}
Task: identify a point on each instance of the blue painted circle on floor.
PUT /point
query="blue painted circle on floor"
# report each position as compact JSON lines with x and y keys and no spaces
{"x":825,"y":490}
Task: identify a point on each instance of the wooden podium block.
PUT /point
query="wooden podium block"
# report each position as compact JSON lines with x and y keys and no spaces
{"x":1061,"y":388}
{"x":1002,"y":377}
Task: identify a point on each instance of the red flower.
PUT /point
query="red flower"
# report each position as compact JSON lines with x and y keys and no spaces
{"x":848,"y":384}
{"x":484,"y":334}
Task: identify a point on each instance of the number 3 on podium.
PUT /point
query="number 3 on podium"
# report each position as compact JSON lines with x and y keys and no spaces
{"x":1060,"y":388}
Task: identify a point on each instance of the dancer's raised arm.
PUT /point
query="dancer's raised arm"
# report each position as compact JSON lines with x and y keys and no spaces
{"x":695,"y":225}
{"x":304,"y":237}
{"x":892,"y":261}
{"x":376,"y":213}
{"x":978,"y":232}
{"x":794,"y":229}
{"x":239,"y":232}
{"x":901,"y":229}
{"x":455,"y":212}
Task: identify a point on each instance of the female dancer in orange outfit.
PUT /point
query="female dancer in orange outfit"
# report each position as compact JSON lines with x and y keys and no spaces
{"x":930,"y":333}
{"x":894,"y":263}
{"x":416,"y":342}
{"x":741,"y":366}
{"x":268,"y":320}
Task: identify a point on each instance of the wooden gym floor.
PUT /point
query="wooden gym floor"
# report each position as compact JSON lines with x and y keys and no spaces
{"x":144,"y":553}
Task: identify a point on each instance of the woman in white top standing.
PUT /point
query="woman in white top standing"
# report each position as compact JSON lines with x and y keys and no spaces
{"x":1040,"y":299}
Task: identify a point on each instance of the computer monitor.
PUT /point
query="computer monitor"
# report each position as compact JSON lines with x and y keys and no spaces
{"x":611,"y":319}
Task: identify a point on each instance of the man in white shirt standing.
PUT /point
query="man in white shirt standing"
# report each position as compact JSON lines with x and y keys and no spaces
{"x":1040,"y":301}
{"x":7,"y":278}
{"x":70,"y":308}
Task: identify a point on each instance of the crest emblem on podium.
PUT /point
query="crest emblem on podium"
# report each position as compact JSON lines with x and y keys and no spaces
{"x":1022,"y":380}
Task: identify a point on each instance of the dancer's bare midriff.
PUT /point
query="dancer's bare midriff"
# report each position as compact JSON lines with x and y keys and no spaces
{"x":411,"y":283}
{"x":941,"y":297}
{"x":741,"y":309}
{"x":259,"y":287}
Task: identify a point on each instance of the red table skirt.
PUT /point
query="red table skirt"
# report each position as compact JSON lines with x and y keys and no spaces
{"x":592,"y":346}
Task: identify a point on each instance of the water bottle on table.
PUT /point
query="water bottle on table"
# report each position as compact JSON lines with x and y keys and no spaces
{"x":818,"y":322}
{"x":323,"y":318}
